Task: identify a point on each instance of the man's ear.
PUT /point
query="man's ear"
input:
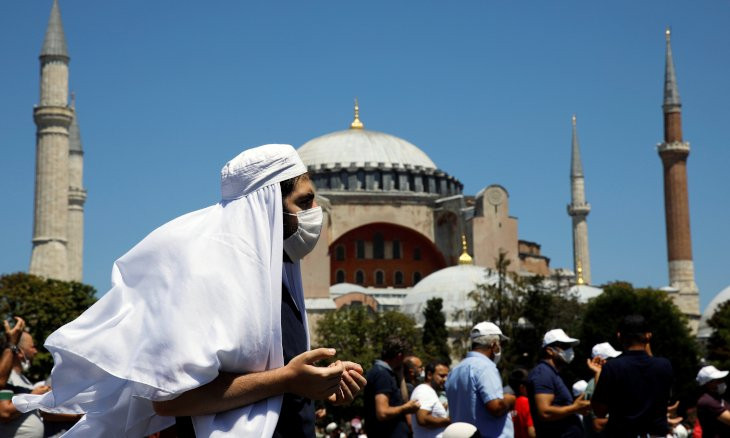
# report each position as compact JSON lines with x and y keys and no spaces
{"x":648,"y":336}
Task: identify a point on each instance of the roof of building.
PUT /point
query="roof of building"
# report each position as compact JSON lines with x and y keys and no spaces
{"x":363,"y":148}
{"x":54,"y":43}
{"x":452,"y":285}
{"x":585,"y":292}
{"x":705,"y":330}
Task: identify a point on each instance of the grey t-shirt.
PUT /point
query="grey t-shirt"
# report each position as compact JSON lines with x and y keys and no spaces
{"x":28,"y":425}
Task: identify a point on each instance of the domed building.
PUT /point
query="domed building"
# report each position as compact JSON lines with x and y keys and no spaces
{"x":393,"y":217}
{"x":705,"y":331}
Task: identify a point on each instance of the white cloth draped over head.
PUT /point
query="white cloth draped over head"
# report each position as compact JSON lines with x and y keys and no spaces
{"x":199,"y":295}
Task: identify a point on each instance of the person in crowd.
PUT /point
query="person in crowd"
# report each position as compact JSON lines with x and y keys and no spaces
{"x":461,"y":430}
{"x":206,"y":319}
{"x":12,"y":422}
{"x":521,"y":417}
{"x":10,"y":347}
{"x":555,"y":412}
{"x":712,"y":411}
{"x":431,"y":419}
{"x":633,"y":390}
{"x":385,"y":409}
{"x":600,"y":353}
{"x":474,"y":387}
{"x":413,"y":373}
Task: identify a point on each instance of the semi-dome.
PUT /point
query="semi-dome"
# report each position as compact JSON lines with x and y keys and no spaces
{"x":452,"y":285}
{"x":705,"y":330}
{"x":362,"y":148}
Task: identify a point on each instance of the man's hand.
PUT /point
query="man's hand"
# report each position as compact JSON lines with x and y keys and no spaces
{"x":351,"y":384}
{"x":316,"y":383}
{"x":411,"y":407}
{"x":581,"y":405}
{"x":40,"y":389}
{"x":13,"y":335}
{"x":595,"y":364}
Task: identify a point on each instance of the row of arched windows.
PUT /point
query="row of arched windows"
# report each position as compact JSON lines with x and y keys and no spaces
{"x":379,"y":250}
{"x":379,"y":277}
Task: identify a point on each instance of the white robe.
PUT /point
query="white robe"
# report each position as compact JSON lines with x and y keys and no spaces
{"x":199,"y":295}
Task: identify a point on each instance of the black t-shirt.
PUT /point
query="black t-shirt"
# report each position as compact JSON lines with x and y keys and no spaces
{"x":296,"y":419}
{"x":636,"y":388}
{"x":544,"y":379}
{"x":381,"y":380}
{"x":709,"y":407}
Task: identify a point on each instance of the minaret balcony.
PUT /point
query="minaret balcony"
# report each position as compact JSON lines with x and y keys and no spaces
{"x":47,"y":116}
{"x":579,"y":209}
{"x":675,"y":146}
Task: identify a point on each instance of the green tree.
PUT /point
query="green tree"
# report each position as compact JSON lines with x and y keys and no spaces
{"x":435,"y":335}
{"x":718,"y":346}
{"x":45,"y":305}
{"x":357,"y":334}
{"x":670,"y":335}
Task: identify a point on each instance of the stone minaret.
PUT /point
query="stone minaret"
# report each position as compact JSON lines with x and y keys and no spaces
{"x":76,"y":200}
{"x":578,"y":209}
{"x":52,"y":118}
{"x":674,"y":152}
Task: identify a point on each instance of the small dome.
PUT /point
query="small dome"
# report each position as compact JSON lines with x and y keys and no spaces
{"x":452,"y":285}
{"x":585,"y":292}
{"x":364,"y":148}
{"x":705,"y":330}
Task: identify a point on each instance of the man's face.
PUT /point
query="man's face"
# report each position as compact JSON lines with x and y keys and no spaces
{"x":27,"y":346}
{"x":438,"y":378}
{"x":415,"y":367}
{"x":300,"y":199}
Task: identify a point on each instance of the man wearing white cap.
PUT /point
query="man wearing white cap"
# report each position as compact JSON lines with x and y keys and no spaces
{"x":554,"y":411}
{"x":600,"y":353}
{"x":712,"y":410}
{"x":206,"y":318}
{"x":474,"y":387}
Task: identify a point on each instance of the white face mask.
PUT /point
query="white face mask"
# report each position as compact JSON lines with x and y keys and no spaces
{"x":567,"y":355}
{"x":721,"y":388}
{"x":303,"y":241}
{"x":25,"y":365}
{"x":497,"y":356}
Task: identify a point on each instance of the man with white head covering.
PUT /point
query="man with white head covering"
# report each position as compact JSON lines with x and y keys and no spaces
{"x":195,"y":324}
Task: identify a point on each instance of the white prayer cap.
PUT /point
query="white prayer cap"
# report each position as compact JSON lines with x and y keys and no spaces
{"x":486,"y":328}
{"x":604,"y":350}
{"x":558,"y":335}
{"x":710,"y":373}
{"x":257,"y":167}
{"x":460,"y":430}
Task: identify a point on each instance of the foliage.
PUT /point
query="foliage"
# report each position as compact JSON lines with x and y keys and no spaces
{"x":435,"y":335}
{"x":670,"y":335}
{"x":357,"y":334}
{"x":45,"y":305}
{"x":718,"y":346}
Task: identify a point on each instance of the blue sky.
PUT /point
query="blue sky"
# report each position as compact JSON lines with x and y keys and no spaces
{"x":168,"y":91}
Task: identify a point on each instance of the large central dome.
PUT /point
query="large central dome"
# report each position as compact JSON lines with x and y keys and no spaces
{"x":362,"y":148}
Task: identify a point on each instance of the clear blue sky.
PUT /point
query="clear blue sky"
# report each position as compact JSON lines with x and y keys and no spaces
{"x":168,"y":91}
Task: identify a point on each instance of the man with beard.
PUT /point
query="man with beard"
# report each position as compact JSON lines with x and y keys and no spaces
{"x":431,"y":419}
{"x":554,"y":412}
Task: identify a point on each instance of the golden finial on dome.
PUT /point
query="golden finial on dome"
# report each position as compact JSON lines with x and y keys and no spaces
{"x":356,"y":124}
{"x":579,"y":273}
{"x":464,"y":258}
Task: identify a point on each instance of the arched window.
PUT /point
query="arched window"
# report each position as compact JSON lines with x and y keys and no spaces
{"x":340,"y":253}
{"x":396,"y":249}
{"x":416,"y":253}
{"x":378,"y":246}
{"x":416,"y":277}
{"x":359,"y":277}
{"x":360,"y":249}
{"x":340,"y":276}
{"x":398,"y":277}
{"x":379,"y":277}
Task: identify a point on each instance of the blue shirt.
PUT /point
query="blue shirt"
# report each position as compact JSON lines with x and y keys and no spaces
{"x":544,"y":379}
{"x":469,"y":387}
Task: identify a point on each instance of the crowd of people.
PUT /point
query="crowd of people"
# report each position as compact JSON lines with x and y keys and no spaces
{"x":204,"y":333}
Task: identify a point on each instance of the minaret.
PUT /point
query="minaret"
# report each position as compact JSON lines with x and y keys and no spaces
{"x":674,"y":152}
{"x":76,"y":200}
{"x":578,"y":209}
{"x":52,"y":118}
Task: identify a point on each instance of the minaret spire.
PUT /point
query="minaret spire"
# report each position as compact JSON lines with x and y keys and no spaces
{"x":55,"y":42}
{"x":465,"y":258}
{"x":674,"y":152}
{"x":578,"y":210}
{"x":356,"y":123}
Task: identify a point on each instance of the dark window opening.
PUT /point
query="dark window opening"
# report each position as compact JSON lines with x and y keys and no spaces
{"x":398,"y":278}
{"x":360,"y":278}
{"x":340,"y":276}
{"x":378,"y":246}
{"x":340,"y":253}
{"x":379,"y":278}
